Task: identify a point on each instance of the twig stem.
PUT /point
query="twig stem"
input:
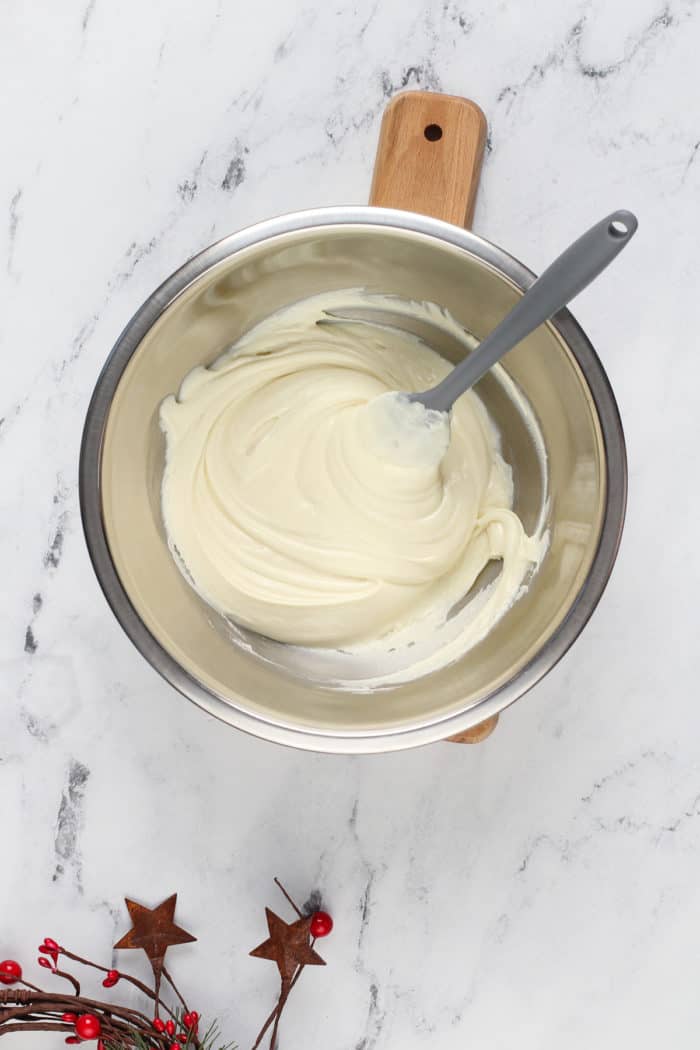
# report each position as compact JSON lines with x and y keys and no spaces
{"x":289,"y":898}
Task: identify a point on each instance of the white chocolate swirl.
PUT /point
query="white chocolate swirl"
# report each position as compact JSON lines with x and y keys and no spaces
{"x":287,"y":510}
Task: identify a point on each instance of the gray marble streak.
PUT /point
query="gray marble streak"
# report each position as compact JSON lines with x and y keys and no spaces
{"x":570,"y":50}
{"x":235,"y":170}
{"x":691,"y":160}
{"x":539,"y":889}
{"x":68,"y":824}
{"x":14,"y":212}
{"x":87,"y":15}
{"x":187,"y":190}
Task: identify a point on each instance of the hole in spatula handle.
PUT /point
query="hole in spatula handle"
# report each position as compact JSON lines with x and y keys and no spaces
{"x":622,"y":224}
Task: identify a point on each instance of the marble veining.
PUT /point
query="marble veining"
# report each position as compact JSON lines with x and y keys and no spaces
{"x":68,"y":825}
{"x":539,"y":890}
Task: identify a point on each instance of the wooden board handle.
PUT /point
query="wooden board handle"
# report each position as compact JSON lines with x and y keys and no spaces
{"x":477,"y":733}
{"x":428,"y":160}
{"x":429,"y":156}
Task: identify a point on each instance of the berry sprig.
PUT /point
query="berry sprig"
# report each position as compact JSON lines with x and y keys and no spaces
{"x":291,"y":946}
{"x":111,"y":1026}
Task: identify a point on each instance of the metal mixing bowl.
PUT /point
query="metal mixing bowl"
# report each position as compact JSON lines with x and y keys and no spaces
{"x":199,"y":312}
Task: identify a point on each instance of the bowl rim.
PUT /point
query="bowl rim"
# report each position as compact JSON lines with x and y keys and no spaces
{"x":354,"y":741}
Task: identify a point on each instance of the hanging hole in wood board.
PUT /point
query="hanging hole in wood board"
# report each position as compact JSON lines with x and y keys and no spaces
{"x":433,"y":132}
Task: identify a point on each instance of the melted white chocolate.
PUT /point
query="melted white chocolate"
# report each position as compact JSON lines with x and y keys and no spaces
{"x":300,"y":506}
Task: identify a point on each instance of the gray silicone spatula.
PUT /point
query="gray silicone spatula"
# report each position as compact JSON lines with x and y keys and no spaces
{"x":565,"y":278}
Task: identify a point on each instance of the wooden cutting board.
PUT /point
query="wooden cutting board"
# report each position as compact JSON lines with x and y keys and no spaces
{"x":429,"y":157}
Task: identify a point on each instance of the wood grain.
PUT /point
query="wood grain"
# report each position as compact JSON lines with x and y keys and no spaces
{"x":477,"y":733}
{"x":429,"y":156}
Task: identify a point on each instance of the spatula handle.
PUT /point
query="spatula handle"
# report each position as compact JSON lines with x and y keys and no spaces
{"x":568,"y":275}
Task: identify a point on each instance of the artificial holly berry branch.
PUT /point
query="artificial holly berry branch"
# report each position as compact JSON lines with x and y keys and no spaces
{"x":24,"y":1007}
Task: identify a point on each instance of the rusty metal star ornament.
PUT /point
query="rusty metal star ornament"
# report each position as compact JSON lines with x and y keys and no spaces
{"x":288,"y":945}
{"x":154,"y":931}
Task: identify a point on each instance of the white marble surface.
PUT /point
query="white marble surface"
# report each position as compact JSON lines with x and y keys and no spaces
{"x":541,"y":890}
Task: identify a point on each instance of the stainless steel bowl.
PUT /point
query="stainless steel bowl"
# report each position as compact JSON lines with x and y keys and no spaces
{"x":200,"y":311}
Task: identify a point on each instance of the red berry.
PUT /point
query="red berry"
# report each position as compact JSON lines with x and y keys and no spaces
{"x":321,"y":924}
{"x":111,"y":978}
{"x":50,"y":947}
{"x":170,"y":1027}
{"x":69,"y":1018}
{"x":88,"y":1026}
{"x":72,"y":1039}
{"x":174,"y":1046}
{"x":158,"y":1024}
{"x":183,"y":1037}
{"x":10,"y":972}
{"x":45,"y":963}
{"x":190,"y":1019}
